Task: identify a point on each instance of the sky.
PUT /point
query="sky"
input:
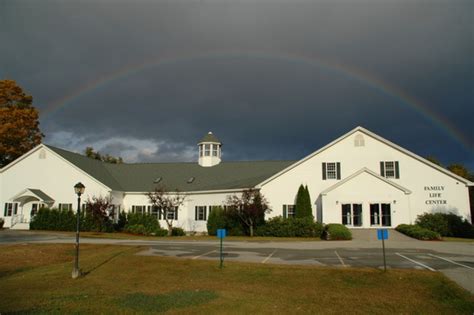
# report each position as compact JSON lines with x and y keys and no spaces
{"x":272,"y":79}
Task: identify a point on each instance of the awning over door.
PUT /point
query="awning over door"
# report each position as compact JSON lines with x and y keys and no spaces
{"x":31,"y":194}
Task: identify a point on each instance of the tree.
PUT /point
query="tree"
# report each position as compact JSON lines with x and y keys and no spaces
{"x":433,"y":160}
{"x":90,"y":153}
{"x":165,"y":203}
{"x":250,"y":207}
{"x":19,"y":122}
{"x":100,"y":209}
{"x":303,"y":203}
{"x":460,"y":170}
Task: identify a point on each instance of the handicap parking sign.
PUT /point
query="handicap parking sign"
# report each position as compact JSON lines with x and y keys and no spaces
{"x":221,"y":233}
{"x":382,"y":234}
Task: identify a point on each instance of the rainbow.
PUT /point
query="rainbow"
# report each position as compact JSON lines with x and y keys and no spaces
{"x":347,"y":71}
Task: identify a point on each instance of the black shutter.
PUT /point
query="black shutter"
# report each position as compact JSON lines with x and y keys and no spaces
{"x":176,"y":213}
{"x":324,"y":171}
{"x":159,"y":213}
{"x":5,"y":212}
{"x":205,"y":213}
{"x":338,"y":166}
{"x":195,"y":213}
{"x":397,"y":170}
{"x":284,"y":212}
{"x":382,"y":169}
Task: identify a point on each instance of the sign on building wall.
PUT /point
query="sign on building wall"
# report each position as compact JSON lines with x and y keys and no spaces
{"x":435,"y":195}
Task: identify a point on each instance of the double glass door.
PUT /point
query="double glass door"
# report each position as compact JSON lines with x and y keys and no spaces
{"x":380,"y":214}
{"x":352,"y":214}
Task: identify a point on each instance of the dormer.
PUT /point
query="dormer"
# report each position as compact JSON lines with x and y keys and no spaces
{"x":209,"y":150}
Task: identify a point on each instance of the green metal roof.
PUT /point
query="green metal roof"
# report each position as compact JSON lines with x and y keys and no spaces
{"x":141,"y":177}
{"x":210,"y":137}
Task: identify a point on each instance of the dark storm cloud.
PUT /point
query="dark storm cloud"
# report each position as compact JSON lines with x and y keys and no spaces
{"x":262,"y":107}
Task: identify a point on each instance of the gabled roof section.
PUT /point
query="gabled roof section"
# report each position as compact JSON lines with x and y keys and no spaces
{"x":29,"y":192}
{"x":377,"y":137}
{"x":95,"y":168}
{"x":361,"y":171}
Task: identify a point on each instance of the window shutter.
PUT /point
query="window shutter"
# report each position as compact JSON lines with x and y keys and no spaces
{"x":382,"y":168}
{"x":195,"y":213}
{"x":205,"y":213}
{"x":176,"y":213}
{"x":159,"y":213}
{"x":5,"y":212}
{"x":15,"y":207}
{"x":284,"y":211}
{"x":324,"y":171}
{"x":397,"y":170}
{"x":338,"y":165}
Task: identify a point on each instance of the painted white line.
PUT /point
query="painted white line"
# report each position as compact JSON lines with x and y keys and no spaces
{"x":340,"y":259}
{"x":451,"y":261}
{"x":212,"y":251}
{"x":269,"y":256}
{"x":416,"y":262}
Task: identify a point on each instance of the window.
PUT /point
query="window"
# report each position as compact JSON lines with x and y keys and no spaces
{"x":200,"y":213}
{"x":11,"y":208}
{"x":138,"y":209}
{"x":65,"y":206}
{"x":207,"y":149}
{"x":390,"y":169}
{"x":215,"y":149}
{"x":34,"y":209}
{"x":359,"y":141}
{"x":201,"y":151}
{"x":155,"y":211}
{"x":289,"y":211}
{"x":331,"y":170}
{"x":172,"y":214}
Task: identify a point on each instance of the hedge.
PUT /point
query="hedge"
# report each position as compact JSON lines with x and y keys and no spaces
{"x":446,"y":224}
{"x":334,"y":231}
{"x":290,"y":227}
{"x":219,"y":219}
{"x":418,"y":232}
{"x":142,"y":223}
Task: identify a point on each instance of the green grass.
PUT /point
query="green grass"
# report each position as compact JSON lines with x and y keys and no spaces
{"x":458,"y":239}
{"x":37,"y":279}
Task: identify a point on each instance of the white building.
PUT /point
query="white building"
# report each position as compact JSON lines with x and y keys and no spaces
{"x":360,"y":179}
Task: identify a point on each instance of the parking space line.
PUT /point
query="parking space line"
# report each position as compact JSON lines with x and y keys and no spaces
{"x":269,"y":256}
{"x":340,"y":259}
{"x":212,"y":251}
{"x":451,"y":261}
{"x":416,"y":262}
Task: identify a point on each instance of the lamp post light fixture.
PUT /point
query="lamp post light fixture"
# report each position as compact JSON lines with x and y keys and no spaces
{"x":79,"y":190}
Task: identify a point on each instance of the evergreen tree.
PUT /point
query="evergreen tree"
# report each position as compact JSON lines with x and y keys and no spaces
{"x":303,"y":203}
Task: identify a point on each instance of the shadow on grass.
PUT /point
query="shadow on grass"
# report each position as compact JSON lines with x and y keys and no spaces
{"x":140,"y":302}
{"x":85,"y":273}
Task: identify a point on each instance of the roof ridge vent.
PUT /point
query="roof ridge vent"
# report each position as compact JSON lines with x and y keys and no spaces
{"x":157,"y":180}
{"x":191,"y":179}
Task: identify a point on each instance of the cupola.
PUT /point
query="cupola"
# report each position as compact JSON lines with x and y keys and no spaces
{"x":209,"y":150}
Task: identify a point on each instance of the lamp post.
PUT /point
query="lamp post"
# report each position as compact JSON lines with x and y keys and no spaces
{"x":79,"y":190}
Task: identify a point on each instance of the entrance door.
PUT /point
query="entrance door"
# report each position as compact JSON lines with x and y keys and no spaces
{"x":352,"y":214}
{"x":380,"y":214}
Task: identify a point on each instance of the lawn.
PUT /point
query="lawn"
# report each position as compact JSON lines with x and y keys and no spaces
{"x":37,"y":279}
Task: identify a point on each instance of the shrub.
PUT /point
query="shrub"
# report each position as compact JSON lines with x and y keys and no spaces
{"x":122,"y":221}
{"x":418,"y":232}
{"x":148,"y":221}
{"x":446,"y":224}
{"x":433,"y":221}
{"x":176,"y":231}
{"x":221,"y":219}
{"x":53,"y":220}
{"x":334,"y":231}
{"x":136,"y":229}
{"x":216,"y":220}
{"x":303,"y":203}
{"x":290,"y":227}
{"x":2,"y":222}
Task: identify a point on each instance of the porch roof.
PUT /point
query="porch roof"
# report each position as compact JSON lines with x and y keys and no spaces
{"x":36,"y":193}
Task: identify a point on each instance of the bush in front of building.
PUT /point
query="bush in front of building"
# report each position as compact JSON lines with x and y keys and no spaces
{"x":122,"y":221}
{"x":336,"y":232}
{"x":177,"y":231}
{"x":221,"y":219}
{"x":2,"y":222}
{"x":54,"y":220}
{"x":142,"y":223}
{"x":303,"y":203}
{"x":446,"y":224}
{"x":418,"y":232}
{"x":290,"y":227}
